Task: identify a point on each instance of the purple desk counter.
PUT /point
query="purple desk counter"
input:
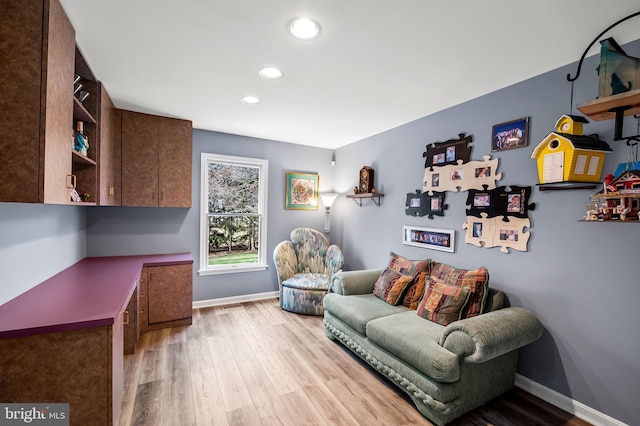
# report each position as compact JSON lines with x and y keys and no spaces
{"x":90,"y":293}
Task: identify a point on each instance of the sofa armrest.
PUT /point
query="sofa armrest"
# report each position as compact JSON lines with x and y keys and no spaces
{"x":349,"y":283}
{"x":487,"y":336}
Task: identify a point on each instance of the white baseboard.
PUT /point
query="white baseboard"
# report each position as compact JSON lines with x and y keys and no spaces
{"x":565,"y":403}
{"x":235,"y":299}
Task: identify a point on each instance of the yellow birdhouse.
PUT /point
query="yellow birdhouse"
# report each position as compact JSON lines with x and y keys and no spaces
{"x":566,"y":155}
{"x":571,"y":124}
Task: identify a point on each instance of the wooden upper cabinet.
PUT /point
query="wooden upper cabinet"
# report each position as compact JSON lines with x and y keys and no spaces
{"x":156,"y":161}
{"x":139,"y":159}
{"x":175,"y":162}
{"x":36,"y":75}
{"x":109,"y":152}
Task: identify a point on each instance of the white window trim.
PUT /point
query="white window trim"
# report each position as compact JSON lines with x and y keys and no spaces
{"x":263,"y":165}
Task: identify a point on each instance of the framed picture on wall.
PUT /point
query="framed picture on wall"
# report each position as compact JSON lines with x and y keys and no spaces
{"x":430,"y":238}
{"x":510,"y":135}
{"x":302,"y":191}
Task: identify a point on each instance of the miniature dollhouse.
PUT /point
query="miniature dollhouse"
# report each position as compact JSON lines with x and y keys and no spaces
{"x":566,"y":155}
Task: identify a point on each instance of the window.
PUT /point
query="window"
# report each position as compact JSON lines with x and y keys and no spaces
{"x":593,"y":166}
{"x":233,"y":220}
{"x":581,"y":162}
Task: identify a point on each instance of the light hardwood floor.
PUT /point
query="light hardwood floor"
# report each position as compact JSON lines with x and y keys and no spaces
{"x":254,"y":364}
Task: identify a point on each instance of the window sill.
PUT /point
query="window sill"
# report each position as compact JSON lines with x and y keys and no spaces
{"x":232,"y":270}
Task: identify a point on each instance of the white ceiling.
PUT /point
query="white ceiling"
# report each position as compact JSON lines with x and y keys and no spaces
{"x":376,"y":65}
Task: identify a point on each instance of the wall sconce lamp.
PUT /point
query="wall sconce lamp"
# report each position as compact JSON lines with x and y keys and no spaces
{"x":327,"y":199}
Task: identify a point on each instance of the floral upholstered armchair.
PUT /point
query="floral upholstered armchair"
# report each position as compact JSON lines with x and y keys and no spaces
{"x":305,"y":266}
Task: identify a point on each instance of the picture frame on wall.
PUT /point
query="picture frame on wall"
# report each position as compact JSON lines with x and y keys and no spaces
{"x":302,"y":191}
{"x":510,"y":135}
{"x":429,"y":238}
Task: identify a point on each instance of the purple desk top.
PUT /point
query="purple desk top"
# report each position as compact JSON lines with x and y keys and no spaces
{"x":90,"y":293}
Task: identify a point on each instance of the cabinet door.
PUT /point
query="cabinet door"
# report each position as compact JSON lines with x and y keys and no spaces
{"x":108,"y":164}
{"x":170,"y":295}
{"x":20,"y":73}
{"x":143,"y":302}
{"x":130,"y":324}
{"x":139,"y":159}
{"x":38,"y":57}
{"x":174,"y":162}
{"x":59,"y":51}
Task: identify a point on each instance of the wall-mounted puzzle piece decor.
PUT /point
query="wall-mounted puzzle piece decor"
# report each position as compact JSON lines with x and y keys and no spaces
{"x":500,"y":202}
{"x":448,"y":152}
{"x":566,"y":155}
{"x":462,"y":176}
{"x":423,"y":204}
{"x":500,"y":231}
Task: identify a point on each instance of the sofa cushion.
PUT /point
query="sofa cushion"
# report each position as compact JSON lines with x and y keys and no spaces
{"x":391,"y":285}
{"x":308,"y":282}
{"x":415,"y":341}
{"x":477,"y":280}
{"x":357,"y":310}
{"x":415,"y":291}
{"x":496,"y":299}
{"x":443,"y":303}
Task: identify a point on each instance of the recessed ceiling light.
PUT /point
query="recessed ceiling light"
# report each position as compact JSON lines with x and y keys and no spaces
{"x":270,"y":73}
{"x":304,"y":28}
{"x":250,"y":100}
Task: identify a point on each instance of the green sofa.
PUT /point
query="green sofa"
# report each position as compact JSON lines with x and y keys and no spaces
{"x":446,"y":370}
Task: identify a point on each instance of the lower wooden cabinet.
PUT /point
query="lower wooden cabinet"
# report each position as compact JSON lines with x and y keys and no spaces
{"x":166,"y":297}
{"x":73,"y":352}
{"x":83,"y":368}
{"x":130,"y":322}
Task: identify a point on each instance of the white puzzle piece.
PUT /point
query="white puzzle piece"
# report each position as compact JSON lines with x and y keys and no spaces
{"x":462,"y":176}
{"x":495,"y":232}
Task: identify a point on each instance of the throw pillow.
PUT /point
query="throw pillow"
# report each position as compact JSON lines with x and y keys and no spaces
{"x":476,"y":279}
{"x":391,"y":285}
{"x":412,"y":268}
{"x":415,"y":291}
{"x":443,"y":303}
{"x":407,"y":266}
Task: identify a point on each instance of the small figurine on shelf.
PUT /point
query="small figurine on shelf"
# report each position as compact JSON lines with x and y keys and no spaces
{"x":80,"y":141}
{"x":85,"y":197}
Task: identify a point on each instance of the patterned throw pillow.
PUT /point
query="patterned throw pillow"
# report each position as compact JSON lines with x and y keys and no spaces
{"x":391,"y":285}
{"x":406,"y":266}
{"x":412,"y":268}
{"x":415,"y":291}
{"x":477,"y":280}
{"x":443,"y":303}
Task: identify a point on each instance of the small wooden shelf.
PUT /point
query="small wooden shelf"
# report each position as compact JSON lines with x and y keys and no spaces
{"x":603,"y":109}
{"x":375,"y":197}
{"x":81,"y":113}
{"x":76,"y":157}
{"x":559,"y":186}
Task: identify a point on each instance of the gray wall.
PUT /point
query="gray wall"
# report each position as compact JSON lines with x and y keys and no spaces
{"x":36,"y":242}
{"x":126,"y":230}
{"x":580,"y":278}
